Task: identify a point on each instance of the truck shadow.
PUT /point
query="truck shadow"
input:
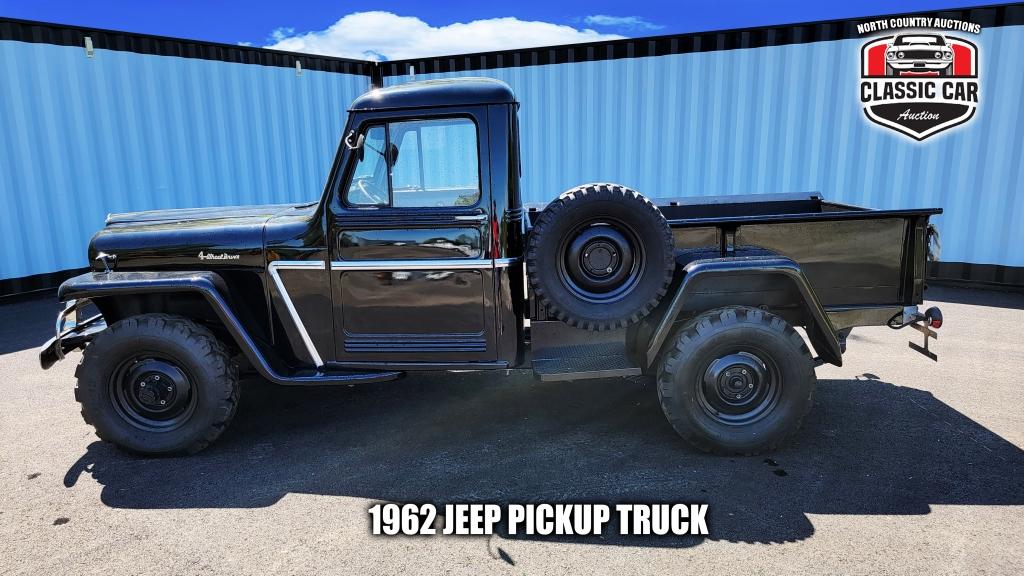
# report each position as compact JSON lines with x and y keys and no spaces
{"x":868,"y":447}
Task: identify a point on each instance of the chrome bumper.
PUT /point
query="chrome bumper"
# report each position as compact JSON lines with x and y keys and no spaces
{"x":70,"y":333}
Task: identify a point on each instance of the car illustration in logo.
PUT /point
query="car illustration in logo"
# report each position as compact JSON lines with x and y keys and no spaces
{"x":914,"y":54}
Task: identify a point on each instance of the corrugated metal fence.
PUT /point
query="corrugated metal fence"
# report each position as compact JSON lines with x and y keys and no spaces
{"x":117,"y":131}
{"x":753,"y":111}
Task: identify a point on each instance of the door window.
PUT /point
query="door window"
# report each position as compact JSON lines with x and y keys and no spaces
{"x":419,"y":163}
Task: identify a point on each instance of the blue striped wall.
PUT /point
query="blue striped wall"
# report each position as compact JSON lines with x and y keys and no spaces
{"x":81,"y":137}
{"x":776,"y":119}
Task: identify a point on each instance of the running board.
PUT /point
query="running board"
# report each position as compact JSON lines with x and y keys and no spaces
{"x":330,"y":378}
{"x":583,"y":362}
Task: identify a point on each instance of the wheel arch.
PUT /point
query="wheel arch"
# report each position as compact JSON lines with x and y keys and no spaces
{"x":771,"y":282}
{"x":197,"y":295}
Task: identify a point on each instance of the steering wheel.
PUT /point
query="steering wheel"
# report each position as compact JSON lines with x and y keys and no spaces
{"x":372,"y":193}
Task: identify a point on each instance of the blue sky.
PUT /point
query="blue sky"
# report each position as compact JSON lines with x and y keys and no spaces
{"x":404,"y":28}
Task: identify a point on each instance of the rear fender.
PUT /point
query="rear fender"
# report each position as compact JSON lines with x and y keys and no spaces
{"x":759,"y":281}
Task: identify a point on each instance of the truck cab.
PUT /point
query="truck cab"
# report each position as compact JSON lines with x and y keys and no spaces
{"x":424,"y":229}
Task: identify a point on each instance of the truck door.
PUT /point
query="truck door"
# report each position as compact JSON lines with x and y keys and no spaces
{"x":410,"y":228}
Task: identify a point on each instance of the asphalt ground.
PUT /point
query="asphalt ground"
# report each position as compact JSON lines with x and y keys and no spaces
{"x":903,"y":466}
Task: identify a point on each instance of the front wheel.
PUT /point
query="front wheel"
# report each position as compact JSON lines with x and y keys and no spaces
{"x":157,"y":384}
{"x":736,"y":380}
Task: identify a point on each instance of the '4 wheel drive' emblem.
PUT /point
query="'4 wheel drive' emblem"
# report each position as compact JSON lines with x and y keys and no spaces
{"x":919,"y":82}
{"x":221,"y":256}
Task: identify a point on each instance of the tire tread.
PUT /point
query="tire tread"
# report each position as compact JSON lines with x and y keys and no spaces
{"x":213,"y":352}
{"x":704,"y":324}
{"x":552,"y":213}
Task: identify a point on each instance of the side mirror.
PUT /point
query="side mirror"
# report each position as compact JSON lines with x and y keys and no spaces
{"x":357,"y":146}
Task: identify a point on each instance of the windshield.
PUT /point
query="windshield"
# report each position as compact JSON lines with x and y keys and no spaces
{"x":920,"y":41}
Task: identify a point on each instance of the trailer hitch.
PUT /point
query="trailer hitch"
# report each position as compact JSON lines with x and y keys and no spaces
{"x":923,"y":323}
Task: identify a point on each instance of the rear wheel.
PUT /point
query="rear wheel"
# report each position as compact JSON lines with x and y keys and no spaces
{"x":157,"y":384}
{"x":600,"y":257}
{"x":736,"y":381}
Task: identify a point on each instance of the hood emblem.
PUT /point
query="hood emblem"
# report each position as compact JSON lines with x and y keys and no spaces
{"x":109,"y":261}
{"x":221,"y":256}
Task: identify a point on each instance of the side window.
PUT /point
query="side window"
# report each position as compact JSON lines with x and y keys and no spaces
{"x":433,"y":163}
{"x":369,"y":186}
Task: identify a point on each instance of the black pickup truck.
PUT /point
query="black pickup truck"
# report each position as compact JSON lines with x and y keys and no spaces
{"x":420,"y":255}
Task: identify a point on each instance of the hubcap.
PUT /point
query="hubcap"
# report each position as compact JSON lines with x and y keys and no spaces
{"x":152,"y":393}
{"x":739,"y":387}
{"x":600,"y":258}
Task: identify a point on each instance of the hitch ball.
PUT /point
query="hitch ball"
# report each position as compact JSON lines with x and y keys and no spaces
{"x":934,"y":317}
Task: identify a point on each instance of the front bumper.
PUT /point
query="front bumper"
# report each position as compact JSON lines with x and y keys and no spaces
{"x":910,"y":65}
{"x":71,"y":333}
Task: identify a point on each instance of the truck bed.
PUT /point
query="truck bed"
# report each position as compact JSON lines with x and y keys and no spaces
{"x":852,"y":256}
{"x":703,"y":210}
{"x":863,"y":265}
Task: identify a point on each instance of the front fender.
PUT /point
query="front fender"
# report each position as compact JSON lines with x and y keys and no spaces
{"x":746,"y":280}
{"x":212,"y":288}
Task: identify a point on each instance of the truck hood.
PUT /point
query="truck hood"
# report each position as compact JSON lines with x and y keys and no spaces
{"x":256,"y":213}
{"x":223,"y":238}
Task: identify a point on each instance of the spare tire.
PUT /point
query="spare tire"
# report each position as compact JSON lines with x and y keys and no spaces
{"x":600,"y":257}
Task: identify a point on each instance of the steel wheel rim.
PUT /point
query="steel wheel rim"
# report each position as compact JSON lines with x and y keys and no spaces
{"x":152,"y":392}
{"x":739,"y":386}
{"x":601,"y":260}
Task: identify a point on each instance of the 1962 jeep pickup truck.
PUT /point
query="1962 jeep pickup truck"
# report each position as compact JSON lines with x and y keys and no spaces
{"x":421,"y":256}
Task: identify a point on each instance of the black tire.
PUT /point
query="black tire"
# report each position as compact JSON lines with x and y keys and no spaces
{"x":157,"y":384}
{"x":743,"y":351}
{"x":600,"y":257}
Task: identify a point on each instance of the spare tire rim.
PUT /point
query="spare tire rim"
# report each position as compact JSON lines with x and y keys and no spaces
{"x":739,"y":387}
{"x":601,"y":261}
{"x":152,"y":393}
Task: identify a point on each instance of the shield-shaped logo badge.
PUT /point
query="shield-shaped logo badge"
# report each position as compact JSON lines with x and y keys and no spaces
{"x":919,"y":82}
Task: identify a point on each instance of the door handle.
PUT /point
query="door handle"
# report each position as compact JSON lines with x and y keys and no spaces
{"x":471,"y":217}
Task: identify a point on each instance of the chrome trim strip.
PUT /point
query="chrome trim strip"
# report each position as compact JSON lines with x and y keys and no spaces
{"x":505,"y":262}
{"x":439,"y":264}
{"x":272,"y":269}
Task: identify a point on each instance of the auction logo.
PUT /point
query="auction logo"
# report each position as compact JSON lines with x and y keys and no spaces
{"x":919,"y":80}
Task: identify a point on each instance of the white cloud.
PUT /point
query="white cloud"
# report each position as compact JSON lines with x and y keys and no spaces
{"x":624,"y":22}
{"x":387,"y":36}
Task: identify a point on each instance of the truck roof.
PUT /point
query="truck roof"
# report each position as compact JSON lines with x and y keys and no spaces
{"x":431,"y":93}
